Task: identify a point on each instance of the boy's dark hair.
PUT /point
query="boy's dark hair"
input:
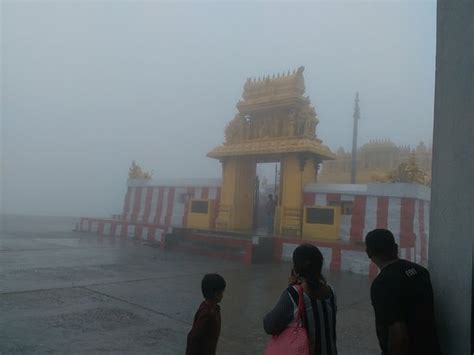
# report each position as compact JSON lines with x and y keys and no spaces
{"x":212,"y":285}
{"x":381,"y":243}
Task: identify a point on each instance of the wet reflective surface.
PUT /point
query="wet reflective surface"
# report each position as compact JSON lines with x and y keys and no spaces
{"x":66,"y":292}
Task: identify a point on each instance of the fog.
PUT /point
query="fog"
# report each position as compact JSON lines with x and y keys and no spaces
{"x":89,"y":86}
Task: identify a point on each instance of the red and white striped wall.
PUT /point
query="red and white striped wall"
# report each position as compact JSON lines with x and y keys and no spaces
{"x":401,"y":208}
{"x":152,"y":208}
{"x":123,"y":229}
{"x":338,"y":256}
{"x":165,"y":203}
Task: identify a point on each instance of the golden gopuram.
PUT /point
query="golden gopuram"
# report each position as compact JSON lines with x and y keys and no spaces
{"x":275,"y":123}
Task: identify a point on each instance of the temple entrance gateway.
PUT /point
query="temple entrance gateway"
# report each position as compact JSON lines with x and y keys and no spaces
{"x":275,"y":123}
{"x":268,"y":178}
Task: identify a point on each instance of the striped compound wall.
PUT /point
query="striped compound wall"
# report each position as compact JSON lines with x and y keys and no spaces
{"x":338,"y":256}
{"x":402,"y":208}
{"x":124,"y":229}
{"x":152,"y":208}
{"x":165,"y":203}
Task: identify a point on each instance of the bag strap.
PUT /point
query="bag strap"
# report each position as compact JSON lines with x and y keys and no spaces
{"x":298,"y":300}
{"x":297,"y":297}
{"x":299,"y":316}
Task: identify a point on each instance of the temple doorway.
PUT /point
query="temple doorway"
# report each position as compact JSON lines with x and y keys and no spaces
{"x":268,"y":183}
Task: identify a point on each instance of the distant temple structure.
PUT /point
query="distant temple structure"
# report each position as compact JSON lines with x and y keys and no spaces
{"x":380,"y":161}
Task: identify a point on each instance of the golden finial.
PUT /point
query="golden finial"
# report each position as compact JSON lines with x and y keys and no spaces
{"x":136,"y":172}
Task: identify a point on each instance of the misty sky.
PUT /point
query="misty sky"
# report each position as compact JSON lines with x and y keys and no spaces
{"x":89,"y":86}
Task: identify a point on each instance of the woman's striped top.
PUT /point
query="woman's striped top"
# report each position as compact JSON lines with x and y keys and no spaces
{"x":320,"y":319}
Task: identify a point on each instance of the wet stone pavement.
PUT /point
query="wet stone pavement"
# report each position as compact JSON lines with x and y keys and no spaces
{"x":70,"y":293}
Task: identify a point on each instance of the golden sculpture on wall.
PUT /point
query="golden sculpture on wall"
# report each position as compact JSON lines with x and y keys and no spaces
{"x":136,"y":172}
{"x":375,"y":161}
{"x":273,"y":117}
{"x":299,"y":121}
{"x":406,"y":172}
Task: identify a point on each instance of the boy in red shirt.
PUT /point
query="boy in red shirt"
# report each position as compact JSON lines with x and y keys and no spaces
{"x":203,"y":337}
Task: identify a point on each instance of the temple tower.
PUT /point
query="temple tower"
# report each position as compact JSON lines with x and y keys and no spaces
{"x":275,"y":123}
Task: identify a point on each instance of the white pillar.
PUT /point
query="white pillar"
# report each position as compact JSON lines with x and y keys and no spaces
{"x":452,"y":208}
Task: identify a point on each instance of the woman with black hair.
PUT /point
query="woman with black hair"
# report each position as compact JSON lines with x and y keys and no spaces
{"x":319,"y":317}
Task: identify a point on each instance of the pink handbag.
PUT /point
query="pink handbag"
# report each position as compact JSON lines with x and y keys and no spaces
{"x":293,"y":340}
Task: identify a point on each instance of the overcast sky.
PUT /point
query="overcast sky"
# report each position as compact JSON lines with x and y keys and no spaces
{"x":89,"y":86}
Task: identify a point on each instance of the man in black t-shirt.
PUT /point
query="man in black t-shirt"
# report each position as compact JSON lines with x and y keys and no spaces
{"x":402,"y":297}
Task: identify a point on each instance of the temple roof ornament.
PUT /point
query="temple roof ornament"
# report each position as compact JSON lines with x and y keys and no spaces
{"x":274,"y":117}
{"x":136,"y":172}
{"x":260,"y":94}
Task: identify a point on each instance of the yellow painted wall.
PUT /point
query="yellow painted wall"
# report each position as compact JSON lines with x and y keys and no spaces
{"x":201,"y":220}
{"x":245,"y":192}
{"x":293,"y":180}
{"x":322,"y":231}
{"x":237,"y":195}
{"x":309,"y":173}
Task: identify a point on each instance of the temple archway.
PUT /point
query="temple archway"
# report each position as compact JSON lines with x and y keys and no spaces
{"x":275,"y":123}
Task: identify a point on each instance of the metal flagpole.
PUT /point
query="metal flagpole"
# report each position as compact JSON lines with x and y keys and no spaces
{"x":356,"y":117}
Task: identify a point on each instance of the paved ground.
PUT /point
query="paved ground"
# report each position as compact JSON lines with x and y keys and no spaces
{"x":67,"y":293}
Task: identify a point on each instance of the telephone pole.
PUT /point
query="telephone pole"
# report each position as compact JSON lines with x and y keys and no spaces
{"x":356,"y":117}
